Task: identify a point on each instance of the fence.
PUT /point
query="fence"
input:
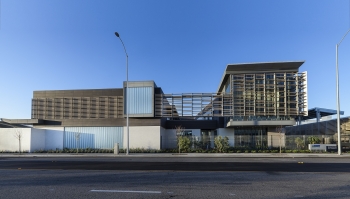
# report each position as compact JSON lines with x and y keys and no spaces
{"x":257,"y":142}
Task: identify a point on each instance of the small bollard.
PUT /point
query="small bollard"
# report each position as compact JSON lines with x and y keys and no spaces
{"x":116,"y":148}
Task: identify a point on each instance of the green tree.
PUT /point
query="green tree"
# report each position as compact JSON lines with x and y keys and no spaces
{"x":221,"y":144}
{"x":299,"y":142}
{"x":184,"y":143}
{"x":314,"y":140}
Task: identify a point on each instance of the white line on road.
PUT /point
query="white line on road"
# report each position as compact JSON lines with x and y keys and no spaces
{"x":125,"y":191}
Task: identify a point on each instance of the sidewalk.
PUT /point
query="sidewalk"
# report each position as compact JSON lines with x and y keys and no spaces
{"x":182,"y":155}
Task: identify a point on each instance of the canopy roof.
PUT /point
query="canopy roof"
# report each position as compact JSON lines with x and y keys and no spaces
{"x":312,"y":113}
{"x":8,"y":125}
{"x":259,"y":67}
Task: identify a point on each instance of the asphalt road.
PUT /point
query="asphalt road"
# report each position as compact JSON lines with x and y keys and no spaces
{"x":78,"y":184}
{"x":182,"y":164}
{"x":131,"y":177}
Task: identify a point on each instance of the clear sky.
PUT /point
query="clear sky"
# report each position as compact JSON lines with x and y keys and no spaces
{"x":184,"y":46}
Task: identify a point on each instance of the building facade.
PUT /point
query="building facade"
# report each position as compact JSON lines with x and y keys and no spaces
{"x":253,"y":100}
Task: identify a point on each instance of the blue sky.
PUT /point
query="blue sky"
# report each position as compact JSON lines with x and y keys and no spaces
{"x":184,"y":46}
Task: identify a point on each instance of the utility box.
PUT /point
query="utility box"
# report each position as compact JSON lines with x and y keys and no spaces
{"x":116,"y":148}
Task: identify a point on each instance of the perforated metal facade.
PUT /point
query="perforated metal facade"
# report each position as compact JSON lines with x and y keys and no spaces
{"x":77,"y":107}
{"x":77,"y":104}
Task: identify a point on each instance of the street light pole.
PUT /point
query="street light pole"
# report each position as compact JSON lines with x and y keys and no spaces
{"x":126,"y":96}
{"x":338,"y":103}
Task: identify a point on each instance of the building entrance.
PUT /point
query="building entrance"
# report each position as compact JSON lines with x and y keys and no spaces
{"x":251,"y":137}
{"x":207,"y":138}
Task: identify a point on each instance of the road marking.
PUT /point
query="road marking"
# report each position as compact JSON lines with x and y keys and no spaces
{"x":125,"y":191}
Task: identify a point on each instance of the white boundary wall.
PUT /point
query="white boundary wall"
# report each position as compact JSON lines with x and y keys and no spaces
{"x":53,"y":138}
{"x":37,"y":141}
{"x":31,"y":140}
{"x":9,"y":142}
{"x":147,"y":137}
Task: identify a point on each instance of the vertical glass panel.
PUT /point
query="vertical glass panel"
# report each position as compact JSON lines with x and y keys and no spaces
{"x":228,"y":86}
{"x":140,"y":100}
{"x":92,"y":137}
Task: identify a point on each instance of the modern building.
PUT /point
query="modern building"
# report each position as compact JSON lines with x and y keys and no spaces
{"x":252,"y":100}
{"x":319,"y":123}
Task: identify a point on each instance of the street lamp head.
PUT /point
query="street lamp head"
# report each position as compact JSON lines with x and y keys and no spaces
{"x":116,"y":34}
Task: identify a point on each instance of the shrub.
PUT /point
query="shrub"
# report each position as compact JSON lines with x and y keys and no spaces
{"x":184,"y":143}
{"x":221,"y":144}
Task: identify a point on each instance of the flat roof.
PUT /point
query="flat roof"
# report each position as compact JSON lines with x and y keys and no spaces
{"x":312,"y":113}
{"x":78,"y":93}
{"x":7,"y":125}
{"x":259,"y":67}
{"x":21,"y":121}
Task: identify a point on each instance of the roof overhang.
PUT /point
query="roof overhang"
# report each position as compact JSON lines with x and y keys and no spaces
{"x":22,"y":121}
{"x":261,"y":123}
{"x":312,"y":113}
{"x":259,"y":67}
